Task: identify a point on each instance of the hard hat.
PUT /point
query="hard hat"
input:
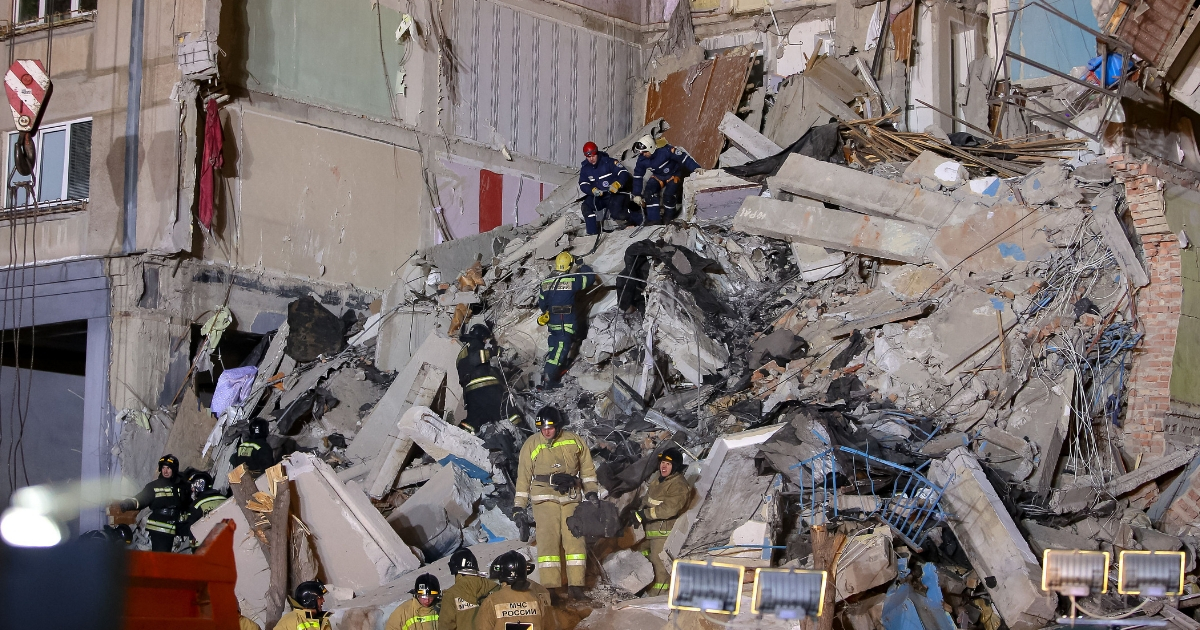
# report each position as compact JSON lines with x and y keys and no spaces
{"x":511,"y":568}
{"x":563,"y":261}
{"x":170,"y":462}
{"x":590,"y":149}
{"x":645,"y":143}
{"x":200,"y":477}
{"x":463,"y":561}
{"x":480,"y":332}
{"x":427,"y":585}
{"x":258,"y":428}
{"x":675,"y":456}
{"x":549,"y":417}
{"x":307,"y":594}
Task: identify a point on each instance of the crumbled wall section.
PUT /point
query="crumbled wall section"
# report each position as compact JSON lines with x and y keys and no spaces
{"x":1158,"y":305}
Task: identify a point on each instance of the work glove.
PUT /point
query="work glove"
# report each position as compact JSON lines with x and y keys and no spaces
{"x":592,"y":498}
{"x":615,"y":187}
{"x":523,"y":521}
{"x":597,"y":191}
{"x":639,"y":201}
{"x":543,"y":319}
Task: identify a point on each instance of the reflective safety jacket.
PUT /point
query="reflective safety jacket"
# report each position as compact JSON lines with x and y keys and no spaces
{"x":304,"y":619}
{"x":474,"y":367}
{"x":165,"y":500}
{"x":566,"y":454}
{"x":557,"y":297}
{"x":665,"y":163}
{"x":206,"y":502}
{"x":666,"y":500}
{"x":247,"y":624}
{"x":411,"y":615}
{"x":606,"y":172}
{"x":460,"y":602}
{"x":255,"y":454}
{"x":509,"y":606}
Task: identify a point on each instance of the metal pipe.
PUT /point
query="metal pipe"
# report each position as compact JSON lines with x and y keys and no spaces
{"x":133,"y":112}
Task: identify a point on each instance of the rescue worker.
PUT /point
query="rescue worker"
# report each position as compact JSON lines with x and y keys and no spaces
{"x":519,"y":600}
{"x":204,"y":500}
{"x":245,"y":623}
{"x":555,"y":472}
{"x":255,"y":452}
{"x":556,"y":300}
{"x":667,"y":166}
{"x":470,"y":588}
{"x":668,"y":497}
{"x":483,"y":389}
{"x":420,"y":612}
{"x":306,"y":611}
{"x":600,"y":178}
{"x":164,"y":497}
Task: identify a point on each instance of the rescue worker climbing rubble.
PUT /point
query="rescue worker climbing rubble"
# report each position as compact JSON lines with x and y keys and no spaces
{"x":204,"y":500}
{"x":306,"y":613}
{"x":555,"y":473}
{"x":255,"y":452}
{"x":601,"y":178}
{"x":483,"y":389}
{"x":518,"y":601}
{"x":560,"y":313}
{"x":668,"y":497}
{"x":420,"y":612}
{"x":461,"y":601}
{"x":665,"y":166}
{"x":164,"y":497}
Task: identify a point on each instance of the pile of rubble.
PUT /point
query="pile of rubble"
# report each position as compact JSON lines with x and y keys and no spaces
{"x":911,"y":377}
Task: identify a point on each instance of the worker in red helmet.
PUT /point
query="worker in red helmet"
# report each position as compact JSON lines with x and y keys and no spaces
{"x":601,"y":179}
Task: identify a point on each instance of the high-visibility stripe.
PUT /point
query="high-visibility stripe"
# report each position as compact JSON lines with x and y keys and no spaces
{"x":246,"y":449}
{"x":658,"y":533}
{"x":483,"y":381}
{"x":423,"y":619}
{"x":309,"y":623}
{"x":209,"y":502}
{"x":660,"y":586}
{"x":164,"y":492}
{"x":651,"y":513}
{"x":577,"y":563}
{"x":589,"y":480}
{"x":544,"y":497}
{"x":577,"y":556}
{"x":646,"y":552}
{"x":653,"y":501}
{"x":549,"y":558}
{"x":558,"y":348}
{"x":523,"y":494}
{"x":541,"y":447}
{"x":165,"y":528}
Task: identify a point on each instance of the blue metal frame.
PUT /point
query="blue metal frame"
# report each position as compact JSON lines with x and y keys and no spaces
{"x":910,"y":510}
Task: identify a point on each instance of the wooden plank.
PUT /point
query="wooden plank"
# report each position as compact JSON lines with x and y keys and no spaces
{"x":694,"y":100}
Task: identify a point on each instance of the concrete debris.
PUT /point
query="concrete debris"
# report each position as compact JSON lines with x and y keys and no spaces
{"x":432,"y":519}
{"x":628,"y":570}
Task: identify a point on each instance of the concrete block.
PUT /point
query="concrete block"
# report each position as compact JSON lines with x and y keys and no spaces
{"x":1104,"y":214}
{"x":497,"y":526}
{"x":865,"y":562}
{"x":945,"y":172}
{"x":1045,"y":183}
{"x":628,"y":570}
{"x":1042,"y":538}
{"x":714,"y":194}
{"x":355,"y":545}
{"x":858,"y":191}
{"x":744,"y":137}
{"x":548,"y":238}
{"x":992,"y":542}
{"x":818,"y":263}
{"x":1150,"y":470}
{"x":678,"y":330}
{"x":432,"y":518}
{"x":253,"y":573}
{"x":1041,"y":417}
{"x":809,"y":222}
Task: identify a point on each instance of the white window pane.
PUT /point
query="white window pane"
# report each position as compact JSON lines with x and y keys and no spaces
{"x":53,"y":159}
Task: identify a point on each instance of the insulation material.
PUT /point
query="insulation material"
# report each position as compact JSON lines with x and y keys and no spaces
{"x":355,"y":546}
{"x":693,"y":102}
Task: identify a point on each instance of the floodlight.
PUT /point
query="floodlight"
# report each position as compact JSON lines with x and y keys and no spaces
{"x":1151,"y":573}
{"x":706,"y":586}
{"x":789,"y":593}
{"x":1075,"y":573}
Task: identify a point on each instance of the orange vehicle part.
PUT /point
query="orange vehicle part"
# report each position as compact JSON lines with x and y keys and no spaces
{"x":184,"y":592}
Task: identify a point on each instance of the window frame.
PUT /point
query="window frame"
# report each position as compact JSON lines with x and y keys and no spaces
{"x":42,"y":16}
{"x":37,"y":168}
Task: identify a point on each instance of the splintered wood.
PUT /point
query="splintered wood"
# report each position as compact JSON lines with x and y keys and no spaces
{"x":871,"y":141}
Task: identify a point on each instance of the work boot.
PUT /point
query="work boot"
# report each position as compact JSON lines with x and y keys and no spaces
{"x":556,"y":596}
{"x":576,"y":593}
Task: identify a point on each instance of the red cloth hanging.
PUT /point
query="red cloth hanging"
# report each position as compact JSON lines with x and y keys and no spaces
{"x":214,"y":142}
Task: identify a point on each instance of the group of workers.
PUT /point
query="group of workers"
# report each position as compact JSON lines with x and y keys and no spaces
{"x":654,"y":189}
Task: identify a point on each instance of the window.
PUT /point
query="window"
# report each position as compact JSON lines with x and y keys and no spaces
{"x":64,"y":164}
{"x":35,"y":10}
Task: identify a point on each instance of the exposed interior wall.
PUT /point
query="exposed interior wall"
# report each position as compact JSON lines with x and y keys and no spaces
{"x":1183,"y":216}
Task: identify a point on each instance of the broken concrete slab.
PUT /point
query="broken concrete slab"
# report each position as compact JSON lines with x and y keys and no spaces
{"x":249,"y":557}
{"x":992,"y":542}
{"x":1041,"y":418}
{"x":865,"y":561}
{"x":825,"y":182}
{"x":746,"y":138}
{"x":802,"y":102}
{"x":1045,"y":183}
{"x":1042,"y":538}
{"x":805,"y":221}
{"x":1104,"y":208}
{"x":714,"y":194}
{"x":676,"y":323}
{"x":818,"y":263}
{"x":394,"y":454}
{"x":946,"y":172}
{"x":1150,"y":470}
{"x":432,"y":519}
{"x":357,"y":548}
{"x":628,"y":570}
{"x":550,"y":236}
{"x":437,"y":350}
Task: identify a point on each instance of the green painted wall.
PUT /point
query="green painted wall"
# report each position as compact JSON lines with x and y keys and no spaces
{"x":1183,"y":213}
{"x":325,"y":52}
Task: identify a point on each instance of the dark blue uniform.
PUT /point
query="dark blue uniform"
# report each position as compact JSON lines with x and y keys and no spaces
{"x":667,"y":167}
{"x":483,"y":390}
{"x":606,"y":172}
{"x":557,"y":297}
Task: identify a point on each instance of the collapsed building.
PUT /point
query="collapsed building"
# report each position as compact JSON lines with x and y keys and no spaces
{"x":922,"y":318}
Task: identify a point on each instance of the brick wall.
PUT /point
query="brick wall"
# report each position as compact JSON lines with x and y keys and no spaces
{"x":1158,"y":304}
